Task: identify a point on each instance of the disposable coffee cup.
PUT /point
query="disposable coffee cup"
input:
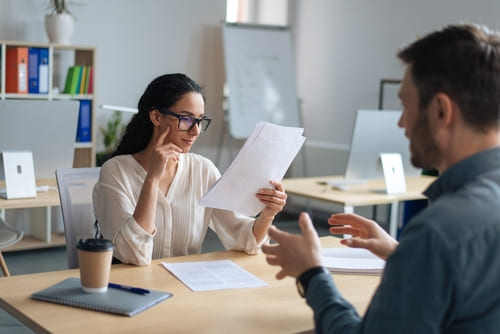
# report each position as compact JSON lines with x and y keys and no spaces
{"x":94,"y":259}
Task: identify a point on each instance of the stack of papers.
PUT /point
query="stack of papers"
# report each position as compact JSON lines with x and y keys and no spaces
{"x":351,"y":260}
{"x":266,"y":155}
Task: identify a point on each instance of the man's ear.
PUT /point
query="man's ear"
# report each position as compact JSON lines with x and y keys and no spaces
{"x":444,"y":111}
{"x":154,"y":116}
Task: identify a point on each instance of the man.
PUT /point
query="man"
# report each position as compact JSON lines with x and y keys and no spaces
{"x":444,"y":275}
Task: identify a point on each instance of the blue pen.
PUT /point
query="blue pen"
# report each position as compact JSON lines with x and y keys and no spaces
{"x":128,"y":288}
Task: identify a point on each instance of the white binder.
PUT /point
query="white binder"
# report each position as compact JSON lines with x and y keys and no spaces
{"x":17,"y":169}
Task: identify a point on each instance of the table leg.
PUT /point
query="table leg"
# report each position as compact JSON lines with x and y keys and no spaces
{"x":393,"y":220}
{"x":348,"y":209}
{"x":41,"y":226}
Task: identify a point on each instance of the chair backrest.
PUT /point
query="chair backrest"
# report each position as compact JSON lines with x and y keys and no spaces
{"x":75,"y":192}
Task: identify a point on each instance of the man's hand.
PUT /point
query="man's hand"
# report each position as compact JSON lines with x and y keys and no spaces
{"x":366,"y":234}
{"x":295,"y":253}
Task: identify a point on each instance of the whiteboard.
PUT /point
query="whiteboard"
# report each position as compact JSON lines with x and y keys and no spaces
{"x":260,"y":76}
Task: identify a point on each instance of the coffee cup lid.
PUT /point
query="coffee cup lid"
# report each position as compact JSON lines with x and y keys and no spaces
{"x":95,"y":245}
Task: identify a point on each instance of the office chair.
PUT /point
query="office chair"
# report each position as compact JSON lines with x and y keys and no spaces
{"x":75,"y":192}
{"x":8,"y":236}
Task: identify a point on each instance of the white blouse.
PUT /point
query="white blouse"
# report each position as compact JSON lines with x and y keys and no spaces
{"x":181,"y":223}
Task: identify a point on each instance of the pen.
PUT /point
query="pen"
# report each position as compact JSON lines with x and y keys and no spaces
{"x":128,"y":288}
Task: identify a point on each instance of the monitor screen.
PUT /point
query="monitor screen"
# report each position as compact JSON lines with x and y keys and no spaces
{"x":46,"y":128}
{"x":376,"y":132}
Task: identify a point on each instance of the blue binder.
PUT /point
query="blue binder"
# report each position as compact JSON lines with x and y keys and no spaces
{"x":33,"y":63}
{"x":43,"y":71}
{"x":83,"y":130}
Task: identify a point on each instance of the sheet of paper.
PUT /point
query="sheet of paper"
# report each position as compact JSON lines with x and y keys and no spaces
{"x":213,"y":275}
{"x":351,"y":260}
{"x":266,"y":155}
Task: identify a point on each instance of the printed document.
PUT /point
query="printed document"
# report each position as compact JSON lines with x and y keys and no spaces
{"x":351,"y":260}
{"x":213,"y":275}
{"x":266,"y":155}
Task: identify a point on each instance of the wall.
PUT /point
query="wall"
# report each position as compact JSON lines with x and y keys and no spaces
{"x":137,"y":41}
{"x":343,"y":48}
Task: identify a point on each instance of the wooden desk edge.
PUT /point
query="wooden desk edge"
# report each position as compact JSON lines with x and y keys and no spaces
{"x":23,"y":319}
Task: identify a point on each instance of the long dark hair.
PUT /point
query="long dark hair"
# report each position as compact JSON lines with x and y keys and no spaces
{"x":162,"y":92}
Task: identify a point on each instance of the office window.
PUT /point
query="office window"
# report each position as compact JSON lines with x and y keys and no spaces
{"x":272,"y":12}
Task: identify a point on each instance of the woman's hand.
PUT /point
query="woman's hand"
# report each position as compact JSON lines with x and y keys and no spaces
{"x":163,"y":153}
{"x":366,"y":234}
{"x":273,"y":199}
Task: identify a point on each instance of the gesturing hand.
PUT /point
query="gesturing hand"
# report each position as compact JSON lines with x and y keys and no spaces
{"x":366,"y":234}
{"x":295,"y":253}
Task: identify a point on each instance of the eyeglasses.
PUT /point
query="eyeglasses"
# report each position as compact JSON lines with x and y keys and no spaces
{"x":186,"y":123}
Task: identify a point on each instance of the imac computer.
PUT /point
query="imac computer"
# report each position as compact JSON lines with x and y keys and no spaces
{"x":376,"y":132}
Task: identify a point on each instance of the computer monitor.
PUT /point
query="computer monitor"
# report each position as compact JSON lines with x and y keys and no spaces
{"x":376,"y":132}
{"x":46,"y":128}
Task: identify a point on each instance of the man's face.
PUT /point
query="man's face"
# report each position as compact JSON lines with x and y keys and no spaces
{"x":423,"y":147}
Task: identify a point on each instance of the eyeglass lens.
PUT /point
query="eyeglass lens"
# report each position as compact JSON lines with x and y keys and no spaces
{"x":186,"y":123}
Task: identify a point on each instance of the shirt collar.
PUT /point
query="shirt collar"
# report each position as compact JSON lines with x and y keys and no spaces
{"x":464,"y":171}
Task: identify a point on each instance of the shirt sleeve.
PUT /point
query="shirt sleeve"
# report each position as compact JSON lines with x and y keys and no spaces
{"x":235,"y":231}
{"x":114,"y":204}
{"x":414,"y":294}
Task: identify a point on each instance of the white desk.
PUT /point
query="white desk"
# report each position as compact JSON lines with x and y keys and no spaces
{"x":358,"y":194}
{"x":43,"y":202}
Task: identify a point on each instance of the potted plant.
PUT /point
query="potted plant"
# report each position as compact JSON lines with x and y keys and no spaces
{"x":111,"y":135}
{"x":59,"y":22}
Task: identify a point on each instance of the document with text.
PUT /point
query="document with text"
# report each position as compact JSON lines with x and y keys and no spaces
{"x":213,"y":275}
{"x":266,"y":155}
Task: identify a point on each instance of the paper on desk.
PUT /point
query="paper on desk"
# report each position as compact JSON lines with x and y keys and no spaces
{"x":213,"y":275}
{"x":351,"y":260}
{"x":266,"y":155}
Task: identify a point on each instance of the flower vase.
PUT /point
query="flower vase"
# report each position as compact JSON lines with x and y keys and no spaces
{"x":59,"y":28}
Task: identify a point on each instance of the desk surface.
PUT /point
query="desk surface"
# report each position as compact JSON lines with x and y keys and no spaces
{"x":42,"y":199}
{"x":273,"y":309}
{"x":368,"y":193}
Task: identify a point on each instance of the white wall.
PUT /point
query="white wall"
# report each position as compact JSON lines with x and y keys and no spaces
{"x":137,"y":41}
{"x":343,"y":48}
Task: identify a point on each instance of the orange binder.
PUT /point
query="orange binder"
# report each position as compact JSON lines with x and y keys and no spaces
{"x":16,"y":70}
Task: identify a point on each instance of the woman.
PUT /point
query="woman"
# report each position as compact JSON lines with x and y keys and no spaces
{"x":146,"y":198}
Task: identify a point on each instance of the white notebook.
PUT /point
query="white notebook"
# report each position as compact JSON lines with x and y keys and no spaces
{"x":351,"y":260}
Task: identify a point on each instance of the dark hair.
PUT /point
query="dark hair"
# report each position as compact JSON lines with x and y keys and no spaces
{"x":162,"y":92}
{"x":462,"y":61}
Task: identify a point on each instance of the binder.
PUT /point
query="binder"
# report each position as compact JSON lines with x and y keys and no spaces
{"x":90,"y":90}
{"x":69,"y":292}
{"x":78,"y":78}
{"x":43,"y":71}
{"x":69,"y":77}
{"x":83,"y":79}
{"x":33,"y":70}
{"x":83,"y":132}
{"x":87,"y":79}
{"x":16,"y":73}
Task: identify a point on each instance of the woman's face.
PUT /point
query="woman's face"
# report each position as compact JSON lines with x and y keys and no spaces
{"x":190,"y":104}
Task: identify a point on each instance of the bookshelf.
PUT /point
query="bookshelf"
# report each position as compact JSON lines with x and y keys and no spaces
{"x":60,"y":58}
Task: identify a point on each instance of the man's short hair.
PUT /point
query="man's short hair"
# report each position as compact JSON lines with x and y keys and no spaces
{"x":462,"y":61}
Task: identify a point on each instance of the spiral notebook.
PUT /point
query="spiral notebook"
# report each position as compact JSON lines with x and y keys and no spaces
{"x":69,"y":292}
